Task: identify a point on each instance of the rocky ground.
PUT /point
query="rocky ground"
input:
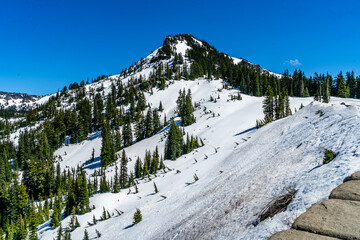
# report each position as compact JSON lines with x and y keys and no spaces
{"x":336,"y":218}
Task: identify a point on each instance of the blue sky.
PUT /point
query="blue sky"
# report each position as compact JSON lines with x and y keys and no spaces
{"x":45,"y":45}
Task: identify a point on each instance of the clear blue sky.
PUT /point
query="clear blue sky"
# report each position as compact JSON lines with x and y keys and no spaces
{"x":45,"y":45}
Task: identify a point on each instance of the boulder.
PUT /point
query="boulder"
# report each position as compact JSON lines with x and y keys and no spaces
{"x":293,"y":234}
{"x":334,"y":217}
{"x":347,"y":191}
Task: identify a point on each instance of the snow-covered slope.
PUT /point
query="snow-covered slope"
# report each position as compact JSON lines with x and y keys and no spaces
{"x":18,"y":100}
{"x":240,"y":168}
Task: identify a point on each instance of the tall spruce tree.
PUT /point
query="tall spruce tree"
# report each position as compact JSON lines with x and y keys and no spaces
{"x":174,"y":142}
{"x":268,"y":105}
{"x":123,"y":170}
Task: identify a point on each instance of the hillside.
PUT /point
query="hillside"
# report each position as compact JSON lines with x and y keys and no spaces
{"x":18,"y":100}
{"x":236,"y":180}
{"x":68,"y":148}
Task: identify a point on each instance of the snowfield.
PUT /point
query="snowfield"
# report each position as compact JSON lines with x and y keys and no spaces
{"x":240,"y":168}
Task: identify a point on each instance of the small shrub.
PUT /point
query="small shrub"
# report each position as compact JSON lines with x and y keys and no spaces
{"x":321,"y":113}
{"x":137,"y":216}
{"x":329,"y":156}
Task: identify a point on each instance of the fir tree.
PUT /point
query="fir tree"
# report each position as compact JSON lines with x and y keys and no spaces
{"x":116,"y":187}
{"x":127,"y":135}
{"x":56,"y":216}
{"x":185,"y":108}
{"x":155,"y":188}
{"x":149,"y":124}
{"x":123,"y":170}
{"x":86,"y":235}
{"x":174,"y":142}
{"x":161,"y":108}
{"x":137,"y":216}
{"x":138,"y":168}
{"x":268,"y":105}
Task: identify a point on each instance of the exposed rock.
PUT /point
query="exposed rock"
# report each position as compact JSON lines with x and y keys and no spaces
{"x":355,"y":176}
{"x":333,"y":217}
{"x":347,"y":191}
{"x":293,"y":234}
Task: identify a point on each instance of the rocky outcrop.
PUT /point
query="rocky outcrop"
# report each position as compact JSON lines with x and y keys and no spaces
{"x":336,"y":218}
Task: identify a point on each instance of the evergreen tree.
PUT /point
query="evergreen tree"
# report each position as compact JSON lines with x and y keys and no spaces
{"x":137,"y":216}
{"x":86,"y":235}
{"x":33,"y":223}
{"x":341,"y":86}
{"x":155,"y":188}
{"x":138,"y":168}
{"x":185,"y":108}
{"x":155,"y":161}
{"x":56,"y":216}
{"x":123,"y":170}
{"x":174,"y":142}
{"x":107,"y":150}
{"x":149,"y":124}
{"x":287,"y":105}
{"x":116,"y":187}
{"x":127,"y":135}
{"x":161,"y":108}
{"x":156,"y":122}
{"x":268,"y":105}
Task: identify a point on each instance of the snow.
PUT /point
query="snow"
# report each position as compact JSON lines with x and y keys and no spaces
{"x":248,"y":168}
{"x":236,"y":60}
{"x":240,"y":168}
{"x":181,"y":47}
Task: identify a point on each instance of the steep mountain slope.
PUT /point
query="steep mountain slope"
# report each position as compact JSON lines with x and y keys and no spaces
{"x":236,"y":180}
{"x":239,"y":169}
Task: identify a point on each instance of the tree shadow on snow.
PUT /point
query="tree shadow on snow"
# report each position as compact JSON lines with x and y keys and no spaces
{"x":246,"y":131}
{"x":129,"y":226}
{"x":92,"y":165}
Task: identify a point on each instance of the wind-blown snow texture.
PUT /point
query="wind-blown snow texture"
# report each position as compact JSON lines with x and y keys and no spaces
{"x":240,"y":168}
{"x":236,"y":181}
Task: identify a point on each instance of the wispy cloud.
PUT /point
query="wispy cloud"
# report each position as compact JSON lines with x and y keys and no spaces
{"x":293,"y":63}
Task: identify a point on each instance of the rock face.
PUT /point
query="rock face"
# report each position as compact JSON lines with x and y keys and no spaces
{"x":298,"y":235}
{"x":355,"y":176}
{"x":336,"y":218}
{"x":347,"y":191}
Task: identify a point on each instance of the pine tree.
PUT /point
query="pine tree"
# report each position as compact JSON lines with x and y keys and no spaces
{"x":137,"y":216}
{"x":116,"y":187}
{"x":56,"y":216}
{"x":127,"y":135}
{"x":341,"y":86}
{"x":149,"y":124}
{"x":161,"y":108}
{"x":268,"y":105}
{"x":156,"y":122}
{"x":174,"y":142}
{"x":86,"y":235}
{"x":123,"y":170}
{"x":185,"y":108}
{"x":83,"y":194}
{"x":287,"y":106}
{"x":60,"y":233}
{"x":20,"y":231}
{"x":33,"y":223}
{"x":107,"y":150}
{"x":117,"y":141}
{"x":138,"y":168}
{"x":155,"y":161}
{"x":155,"y":188}
{"x":98,"y":234}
